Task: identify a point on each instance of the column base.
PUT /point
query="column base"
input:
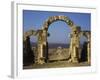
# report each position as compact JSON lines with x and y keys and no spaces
{"x":40,"y":60}
{"x":75,"y":60}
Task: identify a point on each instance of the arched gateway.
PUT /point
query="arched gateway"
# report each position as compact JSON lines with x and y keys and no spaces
{"x":87,"y":34}
{"x":42,"y":44}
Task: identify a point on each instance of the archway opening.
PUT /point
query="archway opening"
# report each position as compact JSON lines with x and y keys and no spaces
{"x":58,"y":41}
{"x":33,"y":40}
{"x":29,"y":51}
{"x":83,"y":56}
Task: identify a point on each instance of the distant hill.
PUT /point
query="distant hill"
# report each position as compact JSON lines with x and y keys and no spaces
{"x":53,"y":45}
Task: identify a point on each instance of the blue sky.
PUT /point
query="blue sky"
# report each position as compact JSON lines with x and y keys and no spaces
{"x":59,"y":30}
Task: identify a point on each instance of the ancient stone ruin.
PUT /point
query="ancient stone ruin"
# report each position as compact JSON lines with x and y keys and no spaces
{"x":41,"y":55}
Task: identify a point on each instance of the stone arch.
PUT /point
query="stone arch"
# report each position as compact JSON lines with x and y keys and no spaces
{"x":29,"y":33}
{"x":42,"y":43}
{"x":28,"y":56}
{"x":26,"y":39}
{"x":45,"y":27}
{"x":87,"y":34}
{"x":52,"y":19}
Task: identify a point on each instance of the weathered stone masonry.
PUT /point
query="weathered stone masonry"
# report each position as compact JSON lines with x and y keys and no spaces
{"x":42,"y":43}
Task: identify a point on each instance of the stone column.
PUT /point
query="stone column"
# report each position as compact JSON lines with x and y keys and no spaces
{"x":40,"y":56}
{"x":41,"y":50}
{"x":89,"y":50}
{"x":75,"y":54}
{"x":45,"y":45}
{"x":71,"y":48}
{"x":75,"y":44}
